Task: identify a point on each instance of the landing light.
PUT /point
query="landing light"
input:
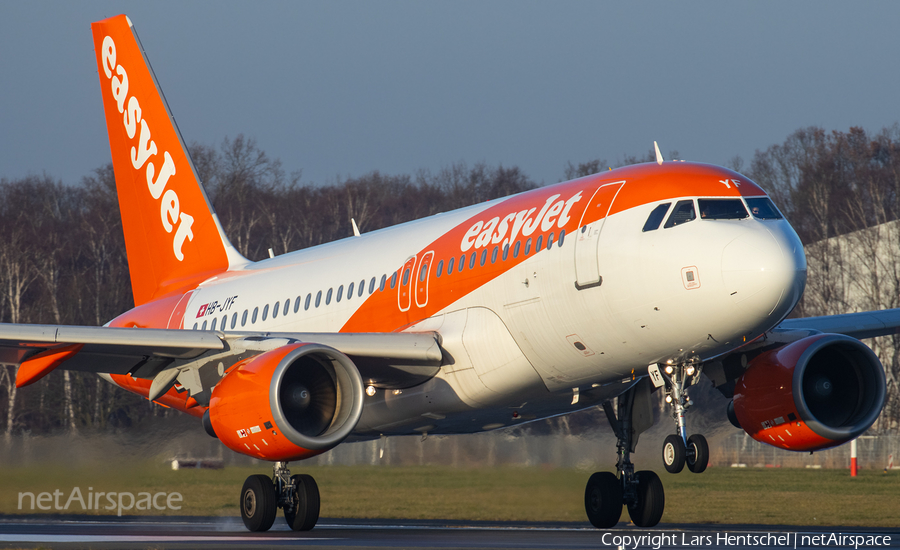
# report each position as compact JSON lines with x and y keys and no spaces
{"x":669,"y":369}
{"x":689,"y":371}
{"x":370,"y":391}
{"x":668,"y":399}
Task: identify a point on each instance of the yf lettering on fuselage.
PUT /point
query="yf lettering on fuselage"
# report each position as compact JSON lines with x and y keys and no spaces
{"x":214,"y":308}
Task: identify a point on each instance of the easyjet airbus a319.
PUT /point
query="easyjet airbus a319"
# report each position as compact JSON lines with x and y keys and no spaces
{"x":611,"y":286}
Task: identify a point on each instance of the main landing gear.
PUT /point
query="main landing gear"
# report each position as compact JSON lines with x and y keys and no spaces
{"x":297,"y":495}
{"x":642,"y":492}
{"x":679,"y":449}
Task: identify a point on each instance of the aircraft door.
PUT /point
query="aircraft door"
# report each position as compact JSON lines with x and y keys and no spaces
{"x":407,"y":276}
{"x":423,"y":274}
{"x":587,"y":260}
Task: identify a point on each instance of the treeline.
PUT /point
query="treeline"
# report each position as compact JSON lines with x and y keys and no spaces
{"x":62,"y":258}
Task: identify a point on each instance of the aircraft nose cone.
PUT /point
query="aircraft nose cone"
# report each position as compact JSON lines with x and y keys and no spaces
{"x":764,"y":271}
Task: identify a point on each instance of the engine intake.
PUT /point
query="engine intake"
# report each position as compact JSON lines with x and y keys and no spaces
{"x":818,"y":392}
{"x":289,"y":403}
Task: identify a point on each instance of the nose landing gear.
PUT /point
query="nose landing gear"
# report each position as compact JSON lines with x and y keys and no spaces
{"x":297,"y":495}
{"x":679,"y":449}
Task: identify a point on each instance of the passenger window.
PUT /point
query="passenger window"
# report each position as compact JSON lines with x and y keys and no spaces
{"x":440,"y":268}
{"x":318,"y":298}
{"x":483,"y":256}
{"x":297,"y":304}
{"x":328,"y":296}
{"x":538,"y":243}
{"x":505,"y":251}
{"x":265,"y":312}
{"x":244,"y":318}
{"x":383,"y":281}
{"x":371,"y":285}
{"x":306,"y":303}
{"x":462,"y":263}
{"x":450,"y":265}
{"x":656,"y":217}
{"x":405,"y":276}
{"x":472,"y":260}
{"x":224,"y":322}
{"x":287,"y":306}
{"x":762,"y":208}
{"x":362,"y":287}
{"x":516,"y":249}
{"x":275,"y":309}
{"x":204,"y":326}
{"x":195,"y":326}
{"x":682,"y":213}
{"x":423,"y":272}
{"x":550,"y":241}
{"x":528,"y":246}
{"x":562,"y":237}
{"x":213,"y":325}
{"x":255,"y":314}
{"x":722,"y":209}
{"x":393,"y":280}
{"x":350,"y":291}
{"x":340,"y":294}
{"x":234,"y":320}
{"x":494,"y":254}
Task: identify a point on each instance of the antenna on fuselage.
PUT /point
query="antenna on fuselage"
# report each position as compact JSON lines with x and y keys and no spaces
{"x":355,"y":228}
{"x":659,"y":159}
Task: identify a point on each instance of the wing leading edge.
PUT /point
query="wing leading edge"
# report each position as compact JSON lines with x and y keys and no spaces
{"x":864,"y":324}
{"x":389,"y":360}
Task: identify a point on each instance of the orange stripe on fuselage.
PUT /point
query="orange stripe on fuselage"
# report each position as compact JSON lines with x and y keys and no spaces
{"x":535,"y":213}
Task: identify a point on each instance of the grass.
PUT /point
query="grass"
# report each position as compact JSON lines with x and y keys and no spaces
{"x":720,"y":495}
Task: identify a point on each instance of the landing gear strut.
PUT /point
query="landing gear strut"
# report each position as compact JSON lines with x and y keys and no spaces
{"x":297,"y":495}
{"x":642,"y":492}
{"x":679,"y":449}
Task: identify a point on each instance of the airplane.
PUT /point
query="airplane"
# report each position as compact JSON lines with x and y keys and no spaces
{"x":593,"y":292}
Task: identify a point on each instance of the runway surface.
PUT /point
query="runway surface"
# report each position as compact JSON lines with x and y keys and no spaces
{"x":208,"y":532}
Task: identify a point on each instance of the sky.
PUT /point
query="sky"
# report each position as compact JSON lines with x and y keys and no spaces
{"x":339,"y":89}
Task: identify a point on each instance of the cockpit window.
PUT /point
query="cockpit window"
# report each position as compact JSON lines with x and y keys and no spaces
{"x":656,"y":217}
{"x":682,"y":213}
{"x":763,"y":209}
{"x":722,"y":209}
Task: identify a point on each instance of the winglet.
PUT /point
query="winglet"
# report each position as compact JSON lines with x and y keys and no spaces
{"x":659,"y":157}
{"x":173,"y":237}
{"x":40,"y":365}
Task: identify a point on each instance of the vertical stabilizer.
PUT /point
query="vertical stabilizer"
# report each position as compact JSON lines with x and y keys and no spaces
{"x":172,"y":235}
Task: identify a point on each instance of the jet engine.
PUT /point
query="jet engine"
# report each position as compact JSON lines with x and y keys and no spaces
{"x":290,"y":403}
{"x":812,"y":394}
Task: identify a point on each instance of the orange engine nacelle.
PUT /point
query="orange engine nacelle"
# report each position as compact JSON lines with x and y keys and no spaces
{"x":818,"y":392}
{"x":289,"y":403}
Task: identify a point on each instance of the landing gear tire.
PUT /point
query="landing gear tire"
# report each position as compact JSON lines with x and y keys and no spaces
{"x":673,"y":453}
{"x":698,"y":459}
{"x":603,"y":500}
{"x":647,"y":509}
{"x":258,"y":503}
{"x":303,"y":513}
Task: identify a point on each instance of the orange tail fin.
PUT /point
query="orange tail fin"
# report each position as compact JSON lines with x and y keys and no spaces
{"x":172,"y":235}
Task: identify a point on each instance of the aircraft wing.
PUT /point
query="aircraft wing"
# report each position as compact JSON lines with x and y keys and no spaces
{"x":865,"y":324}
{"x":383,"y":359}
